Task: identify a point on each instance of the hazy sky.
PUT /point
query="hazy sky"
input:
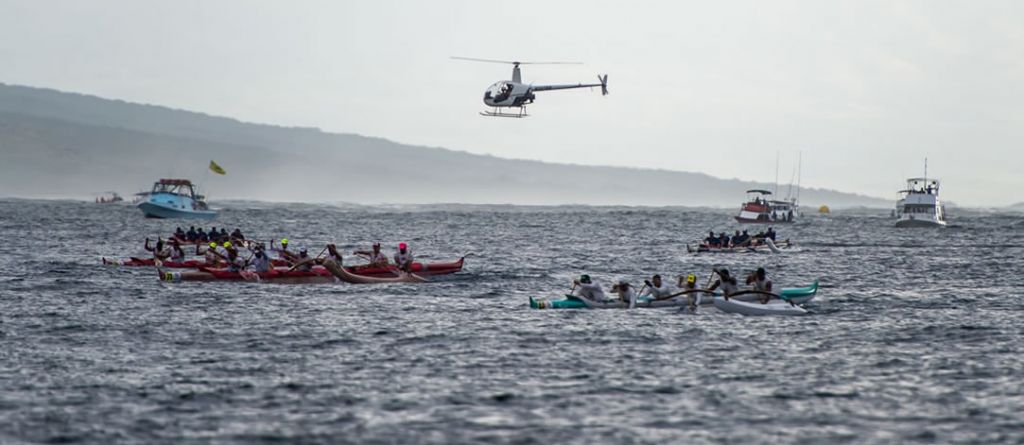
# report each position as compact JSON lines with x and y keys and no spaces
{"x":866,"y":90}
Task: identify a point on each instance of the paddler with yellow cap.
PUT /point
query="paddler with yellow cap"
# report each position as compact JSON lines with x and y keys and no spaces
{"x":693,"y":296}
{"x":235,"y":262}
{"x":213,"y":258}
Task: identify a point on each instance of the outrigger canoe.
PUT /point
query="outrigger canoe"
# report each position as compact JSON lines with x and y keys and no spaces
{"x":768,"y":245}
{"x":798,"y":295}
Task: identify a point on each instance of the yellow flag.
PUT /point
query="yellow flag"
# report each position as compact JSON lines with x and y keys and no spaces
{"x":217,"y":169}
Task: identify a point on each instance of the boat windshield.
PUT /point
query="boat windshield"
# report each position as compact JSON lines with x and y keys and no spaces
{"x":174,"y":188}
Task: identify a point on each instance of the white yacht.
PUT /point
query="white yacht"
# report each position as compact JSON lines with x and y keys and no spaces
{"x":919,"y":204}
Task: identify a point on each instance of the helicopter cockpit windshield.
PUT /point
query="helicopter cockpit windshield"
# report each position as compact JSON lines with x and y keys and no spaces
{"x":499,"y":92}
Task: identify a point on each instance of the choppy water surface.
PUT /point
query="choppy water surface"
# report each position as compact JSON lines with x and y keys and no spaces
{"x":916,"y":339}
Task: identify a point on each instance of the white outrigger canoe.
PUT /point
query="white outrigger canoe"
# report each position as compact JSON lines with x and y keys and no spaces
{"x":797,"y":295}
{"x":772,"y":307}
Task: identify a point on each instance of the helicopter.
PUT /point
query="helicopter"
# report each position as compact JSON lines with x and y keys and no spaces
{"x":516,"y":94}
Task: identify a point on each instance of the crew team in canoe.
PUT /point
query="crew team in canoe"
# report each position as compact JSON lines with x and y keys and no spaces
{"x":194,"y":235}
{"x":723,"y":240}
{"x":656,"y":289}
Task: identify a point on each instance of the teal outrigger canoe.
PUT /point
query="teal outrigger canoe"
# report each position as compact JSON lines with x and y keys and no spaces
{"x":798,"y":295}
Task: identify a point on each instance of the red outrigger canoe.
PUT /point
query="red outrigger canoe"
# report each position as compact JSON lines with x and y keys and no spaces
{"x":422,"y":269}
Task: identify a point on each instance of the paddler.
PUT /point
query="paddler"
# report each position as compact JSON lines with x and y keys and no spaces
{"x":260,"y":261}
{"x":759,"y":281}
{"x":283,"y":252}
{"x":656,"y":289}
{"x":333,"y":255}
{"x":727,"y":282}
{"x":692,"y":297}
{"x":403,"y":257}
{"x":586,"y":288}
{"x":177,"y":254}
{"x":375,"y":256}
{"x":213,"y":258}
{"x":160,"y":251}
{"x":625,"y":292}
{"x":235,"y":262}
{"x":304,"y":263}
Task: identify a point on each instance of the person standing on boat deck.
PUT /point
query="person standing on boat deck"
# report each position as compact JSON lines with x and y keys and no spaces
{"x":625,"y":292}
{"x":761,"y":283}
{"x":403,"y":258}
{"x":375,"y":256}
{"x":728,"y":283}
{"x":656,"y":289}
{"x":586,"y":288}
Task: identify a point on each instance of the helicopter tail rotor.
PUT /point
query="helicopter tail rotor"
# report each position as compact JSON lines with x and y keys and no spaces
{"x":604,"y":84}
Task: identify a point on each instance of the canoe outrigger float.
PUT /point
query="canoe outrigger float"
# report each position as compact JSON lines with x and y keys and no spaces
{"x":796,"y":295}
{"x":767,"y":245}
{"x":330,"y":272}
{"x":421,"y":269}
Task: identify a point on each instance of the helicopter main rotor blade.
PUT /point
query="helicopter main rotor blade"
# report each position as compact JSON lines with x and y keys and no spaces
{"x":512,"y":62}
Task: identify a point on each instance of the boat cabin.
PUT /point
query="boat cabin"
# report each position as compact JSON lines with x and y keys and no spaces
{"x":181,"y":187}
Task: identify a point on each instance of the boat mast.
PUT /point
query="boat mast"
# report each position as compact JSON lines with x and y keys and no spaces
{"x":775,"y":191}
{"x":799,"y":161}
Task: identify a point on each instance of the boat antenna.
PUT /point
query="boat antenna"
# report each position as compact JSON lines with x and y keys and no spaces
{"x":925,"y":169}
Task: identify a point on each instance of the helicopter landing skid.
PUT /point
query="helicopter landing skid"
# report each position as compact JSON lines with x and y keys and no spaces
{"x":496,"y":113}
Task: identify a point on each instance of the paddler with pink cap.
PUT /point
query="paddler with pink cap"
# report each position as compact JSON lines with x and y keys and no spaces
{"x":403,"y":257}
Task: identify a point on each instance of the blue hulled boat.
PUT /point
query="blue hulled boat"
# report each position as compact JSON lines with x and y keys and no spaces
{"x":175,"y":198}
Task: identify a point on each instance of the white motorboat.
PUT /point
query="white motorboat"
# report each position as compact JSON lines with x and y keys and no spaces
{"x":919,"y":204}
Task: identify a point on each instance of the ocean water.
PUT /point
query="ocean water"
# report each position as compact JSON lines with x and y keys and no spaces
{"x":915,"y":337}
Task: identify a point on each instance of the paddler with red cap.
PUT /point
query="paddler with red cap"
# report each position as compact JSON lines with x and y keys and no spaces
{"x":403,"y":257}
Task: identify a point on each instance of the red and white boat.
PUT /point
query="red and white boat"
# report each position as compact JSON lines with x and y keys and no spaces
{"x":761,"y":209}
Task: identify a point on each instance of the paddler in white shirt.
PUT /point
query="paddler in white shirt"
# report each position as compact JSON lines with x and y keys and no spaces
{"x":588,"y":289}
{"x":656,"y":289}
{"x":235,"y":262}
{"x":692,"y":298}
{"x":403,"y":257}
{"x":212,"y":257}
{"x":260,"y":261}
{"x":760,"y":282}
{"x":160,"y":251}
{"x":727,"y":282}
{"x":625,"y":292}
{"x":375,"y":256}
{"x":177,"y":255}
